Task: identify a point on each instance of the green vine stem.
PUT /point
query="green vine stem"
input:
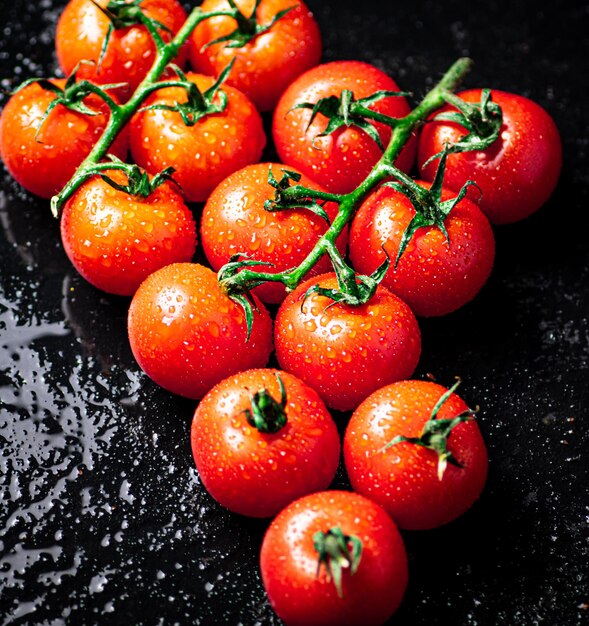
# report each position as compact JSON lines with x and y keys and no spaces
{"x":236,"y":282}
{"x":121,"y":114}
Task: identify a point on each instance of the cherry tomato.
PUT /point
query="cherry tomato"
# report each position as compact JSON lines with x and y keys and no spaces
{"x":202,"y":154}
{"x":369,"y":591}
{"x":42,"y":158}
{"x":345,"y":353}
{"x":342,"y":160}
{"x":266,"y":64}
{"x":261,"y":439}
{"x":434,"y":276}
{"x":234,"y":220}
{"x":187,"y":335}
{"x":116,"y":240}
{"x":405,"y":478}
{"x":81,"y":32}
{"x":516,"y":174}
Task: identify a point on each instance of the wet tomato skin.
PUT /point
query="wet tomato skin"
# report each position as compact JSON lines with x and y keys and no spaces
{"x":345,"y":353}
{"x":257,"y":474}
{"x":342,"y":160}
{"x":187,"y":335}
{"x":432,"y":277}
{"x":203,"y":154}
{"x":234,"y":220}
{"x":43,"y":163}
{"x":300,"y":595}
{"x":266,"y":65}
{"x":517,"y":174}
{"x":116,"y":240}
{"x":82,"y":29}
{"x":403,"y":479}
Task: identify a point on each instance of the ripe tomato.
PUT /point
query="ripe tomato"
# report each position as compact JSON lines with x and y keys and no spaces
{"x":202,"y":154}
{"x":234,"y":220}
{"x":516,"y":174}
{"x":261,"y":439}
{"x":187,"y":335}
{"x":269,"y":62}
{"x":369,"y":591}
{"x":342,"y":160}
{"x":433,"y":277}
{"x":81,"y":32}
{"x":404,"y":478}
{"x":43,"y":158}
{"x":116,"y":240}
{"x":345,"y":353}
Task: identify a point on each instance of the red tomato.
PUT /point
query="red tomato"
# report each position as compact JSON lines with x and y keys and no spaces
{"x":301,"y":594}
{"x":44,"y":160}
{"x":342,"y":160}
{"x":345,"y":353}
{"x":268,"y":63}
{"x":404,"y":478}
{"x":187,"y":335}
{"x":255,"y":454}
{"x":517,"y":174}
{"x":432,"y":277}
{"x":116,"y":240}
{"x":82,"y":29}
{"x":203,"y":154}
{"x":234,"y":220}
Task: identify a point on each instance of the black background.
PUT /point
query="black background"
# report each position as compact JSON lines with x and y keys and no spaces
{"x":103,"y":519}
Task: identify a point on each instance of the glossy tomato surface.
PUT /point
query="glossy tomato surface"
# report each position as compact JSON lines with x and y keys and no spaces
{"x":403,"y":478}
{"x":42,"y":158}
{"x":345,"y":353}
{"x":434,"y":276}
{"x":301,"y":594}
{"x":343,"y":159}
{"x":235,"y":220}
{"x":268,"y":63}
{"x":202,"y":154}
{"x":517,"y":174}
{"x":258,"y":473}
{"x":187,"y":335}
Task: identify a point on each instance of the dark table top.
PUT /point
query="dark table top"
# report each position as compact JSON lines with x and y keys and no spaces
{"x":103,"y":518}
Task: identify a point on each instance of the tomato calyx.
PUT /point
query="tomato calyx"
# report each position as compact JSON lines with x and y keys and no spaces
{"x":198,"y":104}
{"x":346,"y":111}
{"x":436,"y":432}
{"x":268,"y":415}
{"x":337,"y":551}
{"x":248,"y":28}
{"x":482,"y":120}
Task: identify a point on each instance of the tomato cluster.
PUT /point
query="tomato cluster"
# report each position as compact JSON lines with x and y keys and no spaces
{"x":347,"y":336}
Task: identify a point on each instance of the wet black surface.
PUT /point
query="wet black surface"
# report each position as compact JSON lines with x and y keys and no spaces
{"x":103,"y":519}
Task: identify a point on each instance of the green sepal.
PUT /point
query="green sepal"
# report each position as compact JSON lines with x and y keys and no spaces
{"x":436,"y":432}
{"x":336,"y":552}
{"x":247,"y":27}
{"x":138,"y":182}
{"x":268,"y":415}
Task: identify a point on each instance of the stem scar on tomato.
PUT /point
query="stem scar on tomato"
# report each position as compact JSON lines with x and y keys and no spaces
{"x":267,"y":414}
{"x":337,"y":552}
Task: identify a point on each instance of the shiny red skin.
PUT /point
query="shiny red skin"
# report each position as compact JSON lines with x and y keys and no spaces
{"x":403,"y":479}
{"x":432,"y":277}
{"x":203,"y":154}
{"x":342,"y":160}
{"x":517,"y":174}
{"x":234,"y":220}
{"x":266,"y":65}
{"x":258,"y":474}
{"x":288,"y":561}
{"x":82,"y":29}
{"x":43,"y":165}
{"x":116,"y":240}
{"x":187,"y":335}
{"x":346,"y":353}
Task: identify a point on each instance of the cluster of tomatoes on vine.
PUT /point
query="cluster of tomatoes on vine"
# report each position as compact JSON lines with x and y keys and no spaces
{"x":338,"y":235}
